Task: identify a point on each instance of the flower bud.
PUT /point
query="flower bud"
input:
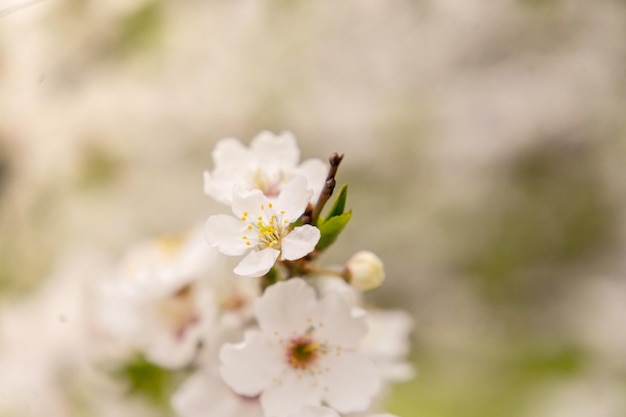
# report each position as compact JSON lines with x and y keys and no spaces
{"x":365,"y":271}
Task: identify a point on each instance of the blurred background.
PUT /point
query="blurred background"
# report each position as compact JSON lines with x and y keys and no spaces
{"x":485,"y":151}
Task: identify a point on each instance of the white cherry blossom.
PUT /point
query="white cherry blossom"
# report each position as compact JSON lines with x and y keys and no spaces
{"x":304,"y":353}
{"x":262,"y":229}
{"x":157,"y":302}
{"x":268,"y":164}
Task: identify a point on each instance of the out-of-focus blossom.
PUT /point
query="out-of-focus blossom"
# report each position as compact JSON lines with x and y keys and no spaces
{"x":387,"y":343}
{"x":160,"y":301}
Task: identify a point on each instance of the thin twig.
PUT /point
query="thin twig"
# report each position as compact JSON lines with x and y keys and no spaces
{"x":329,"y":186}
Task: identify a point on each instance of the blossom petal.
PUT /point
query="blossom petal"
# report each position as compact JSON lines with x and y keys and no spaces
{"x":300,"y":242}
{"x":225,"y":232}
{"x":340,"y":325}
{"x":204,"y":394}
{"x":314,"y":411}
{"x":249,"y":202}
{"x":249,"y":367}
{"x":279,"y":151}
{"x":219,"y":189}
{"x":257,"y":263}
{"x":294,"y":197}
{"x":352,"y":381}
{"x":285,"y":308}
{"x":231,"y":156}
{"x":289,"y":394}
{"x":315,"y":171}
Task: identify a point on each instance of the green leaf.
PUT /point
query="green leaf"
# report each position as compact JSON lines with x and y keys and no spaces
{"x":340,"y":203}
{"x":147,"y":380}
{"x":331,"y":229}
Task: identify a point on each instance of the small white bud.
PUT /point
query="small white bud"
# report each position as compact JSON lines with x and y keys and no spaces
{"x":365,"y":271}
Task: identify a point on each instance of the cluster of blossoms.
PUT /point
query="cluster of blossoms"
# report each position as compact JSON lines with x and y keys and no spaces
{"x":271,"y":334}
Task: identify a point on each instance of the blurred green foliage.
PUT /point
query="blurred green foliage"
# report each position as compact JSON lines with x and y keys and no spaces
{"x":99,"y":167}
{"x":148,"y":381}
{"x":502,"y":388}
{"x":550,"y":210}
{"x":141,"y":30}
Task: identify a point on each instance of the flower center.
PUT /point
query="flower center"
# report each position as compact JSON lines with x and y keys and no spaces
{"x":270,"y":229}
{"x":269,"y":234}
{"x":302,"y":352}
{"x":269,"y":185}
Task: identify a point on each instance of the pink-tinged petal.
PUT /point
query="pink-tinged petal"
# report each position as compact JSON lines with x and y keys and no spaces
{"x":314,"y":411}
{"x":340,"y":326}
{"x":289,"y":393}
{"x":249,"y":367}
{"x":300,"y":242}
{"x":231,"y":156}
{"x":249,"y":202}
{"x":225,"y":232}
{"x":293,"y":198}
{"x":285,"y":308}
{"x":205,"y":395}
{"x":275,"y":151}
{"x":257,"y":263}
{"x":352,"y":381}
{"x":315,"y":171}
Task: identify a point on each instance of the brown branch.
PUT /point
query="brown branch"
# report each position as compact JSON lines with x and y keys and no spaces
{"x":329,"y":186}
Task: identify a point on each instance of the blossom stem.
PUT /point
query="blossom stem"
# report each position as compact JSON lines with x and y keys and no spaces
{"x":324,"y":271}
{"x":329,"y":187}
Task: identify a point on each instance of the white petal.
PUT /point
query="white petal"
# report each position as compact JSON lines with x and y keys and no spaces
{"x":285,"y":308}
{"x":257,"y":263}
{"x":315,"y":171}
{"x":197,"y":395}
{"x":249,"y":367}
{"x":250,"y":202}
{"x":341,"y":327}
{"x":389,"y":334}
{"x":352,"y":381}
{"x":220,"y":188}
{"x":300,"y":242}
{"x":230,"y":156}
{"x":314,"y":411}
{"x":275,"y":150}
{"x":225,"y":232}
{"x":205,"y":395}
{"x":290,"y":394}
{"x":294,"y":197}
